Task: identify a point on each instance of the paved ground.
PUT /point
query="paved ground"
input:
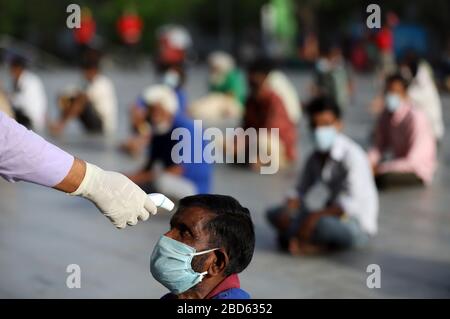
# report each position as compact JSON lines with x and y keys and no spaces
{"x":43,"y":231}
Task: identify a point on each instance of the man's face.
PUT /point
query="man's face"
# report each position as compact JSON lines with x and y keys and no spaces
{"x":326,"y":118}
{"x":397,"y":88}
{"x":256,"y":80}
{"x":188,"y":226}
{"x":90,"y":73}
{"x":160,"y":118}
{"x":15,"y":72}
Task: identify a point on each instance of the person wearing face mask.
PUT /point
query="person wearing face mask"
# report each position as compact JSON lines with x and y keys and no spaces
{"x":349,"y":217}
{"x":227,"y":90}
{"x":211,"y":240}
{"x":173,"y":77}
{"x":93,"y":102}
{"x":162,"y":171}
{"x":332,"y":77}
{"x":403,"y":132}
{"x":270,"y":106}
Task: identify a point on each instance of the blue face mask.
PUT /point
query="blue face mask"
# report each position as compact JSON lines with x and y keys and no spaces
{"x":170,"y":265}
{"x":393,"y":102}
{"x":324,"y":137}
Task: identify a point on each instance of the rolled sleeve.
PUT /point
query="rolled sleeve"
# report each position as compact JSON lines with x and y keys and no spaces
{"x":25,"y":156}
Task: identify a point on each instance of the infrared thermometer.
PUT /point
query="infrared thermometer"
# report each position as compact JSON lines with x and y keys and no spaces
{"x":162,"y":201}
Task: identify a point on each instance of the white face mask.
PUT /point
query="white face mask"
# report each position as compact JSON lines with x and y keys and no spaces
{"x":323,"y":65}
{"x":171,"y":78}
{"x":393,"y":102}
{"x":324,"y":138}
{"x":161,"y":128}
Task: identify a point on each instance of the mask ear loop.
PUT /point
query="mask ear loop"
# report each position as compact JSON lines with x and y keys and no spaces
{"x":203,"y":252}
{"x":203,"y":274}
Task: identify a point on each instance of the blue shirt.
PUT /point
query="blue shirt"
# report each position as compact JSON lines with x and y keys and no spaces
{"x":200,"y":174}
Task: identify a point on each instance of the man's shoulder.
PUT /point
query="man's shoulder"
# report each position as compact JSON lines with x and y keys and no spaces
{"x":232,"y":293}
{"x":349,"y":149}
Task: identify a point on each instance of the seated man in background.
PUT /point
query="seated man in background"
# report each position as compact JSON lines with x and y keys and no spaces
{"x":211,"y":240}
{"x":268,"y":108}
{"x":349,"y":216}
{"x":28,"y":99}
{"x":173,"y":77}
{"x":332,"y":77}
{"x":404,"y":133}
{"x":94,"y":102}
{"x":227,"y":91}
{"x":177,"y":178}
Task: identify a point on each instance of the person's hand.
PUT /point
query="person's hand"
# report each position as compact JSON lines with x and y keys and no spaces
{"x":116,"y":196}
{"x":293,"y":203}
{"x":308,"y":226}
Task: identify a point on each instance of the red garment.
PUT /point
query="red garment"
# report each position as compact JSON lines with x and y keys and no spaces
{"x":267,"y":111}
{"x":86,"y":31}
{"x":169,"y":54}
{"x":230,"y":282}
{"x":385,"y":40}
{"x":129,"y":27}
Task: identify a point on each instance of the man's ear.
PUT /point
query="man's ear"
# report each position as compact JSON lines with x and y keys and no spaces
{"x":339,"y":125}
{"x":219,"y":263}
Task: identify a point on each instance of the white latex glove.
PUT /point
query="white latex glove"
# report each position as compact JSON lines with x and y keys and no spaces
{"x":116,"y":196}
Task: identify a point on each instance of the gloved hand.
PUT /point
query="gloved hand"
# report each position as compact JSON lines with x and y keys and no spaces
{"x":116,"y":196}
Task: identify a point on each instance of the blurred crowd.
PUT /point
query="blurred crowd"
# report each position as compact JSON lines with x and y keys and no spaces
{"x":403,"y":142}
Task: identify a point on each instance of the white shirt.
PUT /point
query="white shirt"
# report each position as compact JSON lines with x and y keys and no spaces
{"x":425,"y":96}
{"x":30,"y":97}
{"x":348,"y":176}
{"x":101,"y":94}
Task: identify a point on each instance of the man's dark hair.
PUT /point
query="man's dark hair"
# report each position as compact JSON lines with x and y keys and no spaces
{"x":18,"y":61}
{"x":230,"y":228}
{"x":322,"y":104}
{"x":261,"y":65}
{"x":394,"y":78}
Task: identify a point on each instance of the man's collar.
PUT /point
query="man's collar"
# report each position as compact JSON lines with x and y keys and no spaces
{"x":231,"y":281}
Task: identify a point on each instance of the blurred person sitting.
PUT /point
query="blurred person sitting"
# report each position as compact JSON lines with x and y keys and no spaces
{"x":267,"y":107}
{"x":211,"y":240}
{"x":93,"y":102}
{"x":227,"y":88}
{"x":28,"y":98}
{"x":163,"y":172}
{"x":332,"y":76}
{"x":349,"y":217}
{"x":404,"y":148}
{"x":173,"y":77}
{"x":423,"y":91}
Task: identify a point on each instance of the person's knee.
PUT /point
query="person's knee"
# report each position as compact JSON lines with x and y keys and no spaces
{"x":331,"y":233}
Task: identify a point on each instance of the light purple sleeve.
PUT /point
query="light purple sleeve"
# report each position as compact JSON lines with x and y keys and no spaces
{"x":25,"y":156}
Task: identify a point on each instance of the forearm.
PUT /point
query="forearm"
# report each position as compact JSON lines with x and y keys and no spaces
{"x":332,"y":210}
{"x":74,"y":178}
{"x":25,"y":156}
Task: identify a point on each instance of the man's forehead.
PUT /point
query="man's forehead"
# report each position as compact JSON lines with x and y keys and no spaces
{"x":192,"y":215}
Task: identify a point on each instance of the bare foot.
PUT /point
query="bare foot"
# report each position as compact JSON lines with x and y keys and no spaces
{"x":302,"y":248}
